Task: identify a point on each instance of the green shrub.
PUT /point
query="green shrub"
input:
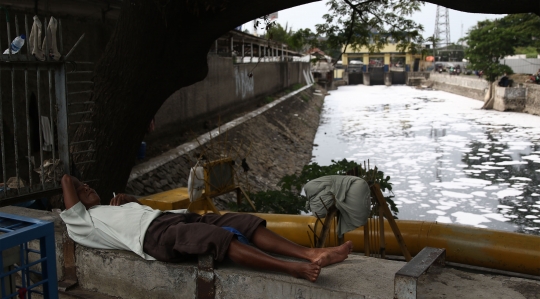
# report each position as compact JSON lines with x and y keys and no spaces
{"x":288,"y":200}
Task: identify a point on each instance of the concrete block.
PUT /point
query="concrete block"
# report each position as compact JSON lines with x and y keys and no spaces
{"x":510,"y":99}
{"x":126,"y":275}
{"x":356,"y":277}
{"x":367,"y":78}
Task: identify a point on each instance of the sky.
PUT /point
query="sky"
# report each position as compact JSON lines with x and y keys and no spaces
{"x":308,"y":15}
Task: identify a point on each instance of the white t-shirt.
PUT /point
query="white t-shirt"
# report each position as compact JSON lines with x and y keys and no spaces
{"x":111,"y":227}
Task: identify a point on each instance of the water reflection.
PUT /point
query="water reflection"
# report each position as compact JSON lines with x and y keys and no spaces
{"x":448,"y":160}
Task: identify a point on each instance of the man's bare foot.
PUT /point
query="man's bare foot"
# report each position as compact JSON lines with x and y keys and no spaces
{"x":332,"y":255}
{"x":307,"y":271}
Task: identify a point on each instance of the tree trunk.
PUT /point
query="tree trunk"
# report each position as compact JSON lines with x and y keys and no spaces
{"x":489,"y":98}
{"x":154,"y":50}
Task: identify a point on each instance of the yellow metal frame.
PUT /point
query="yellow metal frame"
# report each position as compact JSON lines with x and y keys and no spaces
{"x":205,"y":202}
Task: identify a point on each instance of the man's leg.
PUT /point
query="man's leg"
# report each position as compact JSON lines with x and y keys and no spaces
{"x":269,"y":241}
{"x":252,"y":257}
{"x":254,"y":229}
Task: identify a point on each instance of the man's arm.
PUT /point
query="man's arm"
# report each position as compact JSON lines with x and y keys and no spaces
{"x":69,"y":189}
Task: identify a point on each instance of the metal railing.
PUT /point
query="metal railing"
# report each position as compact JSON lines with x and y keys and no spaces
{"x":35,"y":124}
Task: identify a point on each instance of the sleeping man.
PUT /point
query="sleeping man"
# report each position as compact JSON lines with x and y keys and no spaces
{"x":173,"y":236}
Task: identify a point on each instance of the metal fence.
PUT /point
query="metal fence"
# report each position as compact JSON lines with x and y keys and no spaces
{"x":523,"y":65}
{"x":34,"y":118}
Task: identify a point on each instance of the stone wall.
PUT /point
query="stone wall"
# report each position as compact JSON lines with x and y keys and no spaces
{"x":275,"y":142}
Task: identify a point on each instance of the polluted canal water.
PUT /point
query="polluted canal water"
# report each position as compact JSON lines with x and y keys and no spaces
{"x":448,"y":160}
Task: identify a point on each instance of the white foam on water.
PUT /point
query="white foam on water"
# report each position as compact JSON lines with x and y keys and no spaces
{"x":531,"y":157}
{"x":511,"y":163}
{"x":487,"y":167}
{"x":404,"y":200}
{"x":504,"y":207}
{"x":470,"y":218}
{"x":437,"y":212}
{"x":443,"y":207}
{"x":456,"y":194}
{"x":531,"y":216}
{"x":479,"y":193}
{"x":508,"y":192}
{"x":496,"y":216}
{"x":416,"y":141}
{"x":520,"y":179}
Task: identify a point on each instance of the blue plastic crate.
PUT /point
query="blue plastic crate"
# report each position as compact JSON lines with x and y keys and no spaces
{"x":17,"y":231}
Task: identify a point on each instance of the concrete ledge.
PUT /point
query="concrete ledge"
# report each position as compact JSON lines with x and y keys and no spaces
{"x":123,"y":274}
{"x":510,"y":99}
{"x":470,"y":87}
{"x":126,"y":275}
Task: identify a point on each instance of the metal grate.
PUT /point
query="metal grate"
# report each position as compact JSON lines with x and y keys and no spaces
{"x":41,"y":103}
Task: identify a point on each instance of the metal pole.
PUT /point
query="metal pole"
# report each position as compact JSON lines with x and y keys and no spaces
{"x":251,"y":59}
{"x":15,"y":144}
{"x":60,"y":33}
{"x":28,"y":127}
{"x":74,"y":46}
{"x":243,"y":53}
{"x":2,"y":139}
{"x":62,"y":116}
{"x":51,"y":115}
{"x":27,"y":37}
{"x":17,"y":29}
{"x":48,"y":38}
{"x":38,"y":74}
{"x":8,"y":36}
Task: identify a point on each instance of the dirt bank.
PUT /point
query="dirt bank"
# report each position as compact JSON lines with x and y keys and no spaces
{"x":275,"y":143}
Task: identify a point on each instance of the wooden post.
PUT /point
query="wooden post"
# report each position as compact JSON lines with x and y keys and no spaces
{"x":376,"y":191}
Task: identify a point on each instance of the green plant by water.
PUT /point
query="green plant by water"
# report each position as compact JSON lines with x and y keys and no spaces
{"x":289,"y":200}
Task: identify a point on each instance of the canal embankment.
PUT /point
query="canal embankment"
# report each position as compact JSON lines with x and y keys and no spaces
{"x":521,"y":97}
{"x":275,"y":139}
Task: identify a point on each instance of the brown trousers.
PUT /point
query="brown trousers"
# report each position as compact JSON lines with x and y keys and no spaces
{"x":174,"y":237}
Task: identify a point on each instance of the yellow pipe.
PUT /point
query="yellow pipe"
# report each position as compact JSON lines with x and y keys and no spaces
{"x":464,"y":244}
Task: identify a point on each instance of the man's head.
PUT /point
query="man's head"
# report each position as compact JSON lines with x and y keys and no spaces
{"x":88,"y":196}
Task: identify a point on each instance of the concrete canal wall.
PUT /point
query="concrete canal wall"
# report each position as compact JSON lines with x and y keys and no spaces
{"x":467,"y":86}
{"x":226,"y":88}
{"x":521,"y":98}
